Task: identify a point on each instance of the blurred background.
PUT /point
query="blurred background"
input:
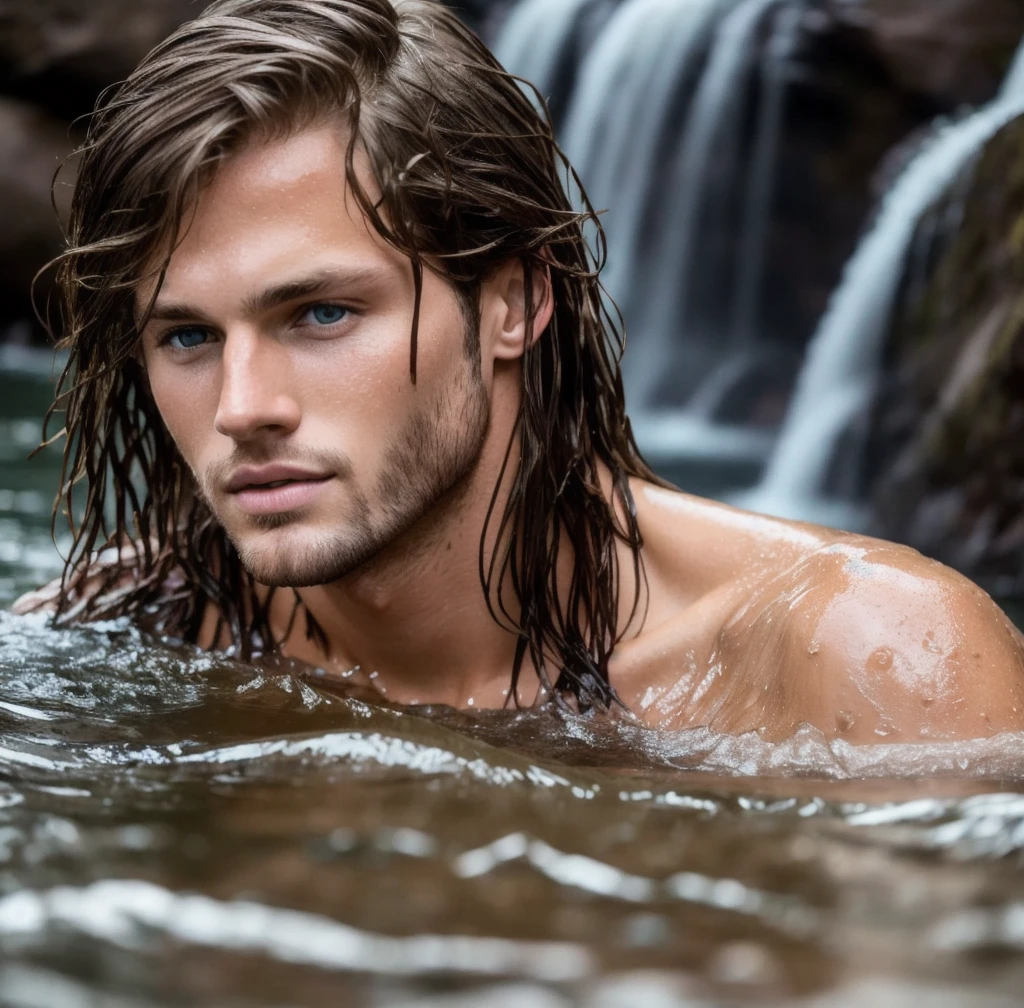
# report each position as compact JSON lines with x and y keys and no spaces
{"x":815,"y":214}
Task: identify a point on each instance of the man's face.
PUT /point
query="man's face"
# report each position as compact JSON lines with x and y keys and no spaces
{"x":278,"y":356}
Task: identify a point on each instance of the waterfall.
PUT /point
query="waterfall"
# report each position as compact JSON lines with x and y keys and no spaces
{"x":843,"y":359}
{"x":658,"y":306}
{"x":628,"y":87}
{"x":608,"y":78}
{"x":534,"y":38}
{"x":657,"y":120}
{"x":666,"y":81}
{"x":761,"y":179}
{"x":1014,"y":82}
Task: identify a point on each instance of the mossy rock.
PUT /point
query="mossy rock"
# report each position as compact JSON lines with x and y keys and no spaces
{"x":948,"y":432}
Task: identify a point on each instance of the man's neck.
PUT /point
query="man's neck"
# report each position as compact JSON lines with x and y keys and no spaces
{"x":415,"y":621}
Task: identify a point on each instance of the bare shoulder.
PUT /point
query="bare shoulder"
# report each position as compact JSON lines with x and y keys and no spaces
{"x":705,"y":562}
{"x":102,"y":584}
{"x":42,"y":599}
{"x":703,"y":544}
{"x":760,"y":623}
{"x":874,"y":642}
{"x":109,"y":572}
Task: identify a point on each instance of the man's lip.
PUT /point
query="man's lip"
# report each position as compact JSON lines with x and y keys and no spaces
{"x":256,"y":477}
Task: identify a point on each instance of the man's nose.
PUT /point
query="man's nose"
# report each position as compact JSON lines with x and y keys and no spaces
{"x":255,"y":395}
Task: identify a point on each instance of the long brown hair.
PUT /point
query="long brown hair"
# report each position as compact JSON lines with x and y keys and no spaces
{"x":470,"y":177}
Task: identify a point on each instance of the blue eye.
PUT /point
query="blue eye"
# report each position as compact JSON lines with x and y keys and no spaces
{"x":327,"y":314}
{"x":187,"y":339}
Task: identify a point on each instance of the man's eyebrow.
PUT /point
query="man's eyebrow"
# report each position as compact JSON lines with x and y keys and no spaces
{"x":290,"y":290}
{"x":278,"y":294}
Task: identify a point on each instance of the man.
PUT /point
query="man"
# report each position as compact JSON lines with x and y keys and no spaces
{"x":341,"y":377}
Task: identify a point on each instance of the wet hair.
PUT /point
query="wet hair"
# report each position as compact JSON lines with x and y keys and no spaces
{"x":468,"y":177}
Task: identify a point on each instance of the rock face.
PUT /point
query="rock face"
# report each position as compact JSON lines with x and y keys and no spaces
{"x":867,"y":78}
{"x":32,"y":145}
{"x":954,"y":51}
{"x":61,"y":53}
{"x":55,"y":58}
{"x":948,"y":441}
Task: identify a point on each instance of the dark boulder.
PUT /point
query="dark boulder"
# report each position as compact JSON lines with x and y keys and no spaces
{"x":947,"y":456}
{"x":61,"y":53}
{"x":954,"y":51}
{"x":32,"y":146}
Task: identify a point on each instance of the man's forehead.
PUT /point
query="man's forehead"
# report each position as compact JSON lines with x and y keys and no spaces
{"x":275,"y":199}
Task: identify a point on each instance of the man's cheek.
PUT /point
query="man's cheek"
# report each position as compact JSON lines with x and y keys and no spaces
{"x":183,"y":417}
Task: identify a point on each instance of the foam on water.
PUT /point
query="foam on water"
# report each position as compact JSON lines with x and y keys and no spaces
{"x":110,"y":673}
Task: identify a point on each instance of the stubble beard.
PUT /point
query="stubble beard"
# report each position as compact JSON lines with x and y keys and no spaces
{"x":424,"y":471}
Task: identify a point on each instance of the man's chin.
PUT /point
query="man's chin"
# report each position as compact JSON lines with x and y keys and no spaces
{"x":290,"y":559}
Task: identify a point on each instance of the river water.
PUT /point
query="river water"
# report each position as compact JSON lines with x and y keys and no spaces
{"x":183,"y":829}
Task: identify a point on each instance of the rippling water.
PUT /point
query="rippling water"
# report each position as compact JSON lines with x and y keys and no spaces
{"x":184,"y":829}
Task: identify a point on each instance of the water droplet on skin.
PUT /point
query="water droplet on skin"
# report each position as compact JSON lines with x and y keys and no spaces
{"x":880,"y":659}
{"x":470,"y":702}
{"x":373,"y":675}
{"x":844,"y":720}
{"x":884,"y":731}
{"x":814,"y":647}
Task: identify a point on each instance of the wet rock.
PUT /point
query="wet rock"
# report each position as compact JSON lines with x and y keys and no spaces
{"x":55,"y":58}
{"x":946,"y":462}
{"x":955,"y":51}
{"x":61,"y":53}
{"x":845,"y":112}
{"x":32,"y":145}
{"x":867,"y":80}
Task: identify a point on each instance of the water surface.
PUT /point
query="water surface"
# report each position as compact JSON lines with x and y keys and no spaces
{"x":184,"y":829}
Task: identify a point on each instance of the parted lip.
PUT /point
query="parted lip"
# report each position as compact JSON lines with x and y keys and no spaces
{"x":256,"y":477}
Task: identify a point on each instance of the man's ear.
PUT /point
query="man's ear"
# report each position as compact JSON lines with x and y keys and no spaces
{"x":511,"y":339}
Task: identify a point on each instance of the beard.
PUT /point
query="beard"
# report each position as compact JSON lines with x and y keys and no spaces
{"x":423,"y":474}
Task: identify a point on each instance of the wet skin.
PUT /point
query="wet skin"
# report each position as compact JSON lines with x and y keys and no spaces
{"x":281,"y":338}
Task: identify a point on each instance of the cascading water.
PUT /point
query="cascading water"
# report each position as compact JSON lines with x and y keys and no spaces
{"x":1014,"y":82}
{"x":840,"y":374}
{"x":535,"y":38}
{"x":760,"y":182}
{"x":659,"y":304}
{"x":656,"y":128}
{"x":645,"y":55}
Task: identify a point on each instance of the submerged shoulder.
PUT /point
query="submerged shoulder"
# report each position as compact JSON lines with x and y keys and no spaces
{"x":103,"y":583}
{"x":876,"y":642}
{"x":38,"y":600}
